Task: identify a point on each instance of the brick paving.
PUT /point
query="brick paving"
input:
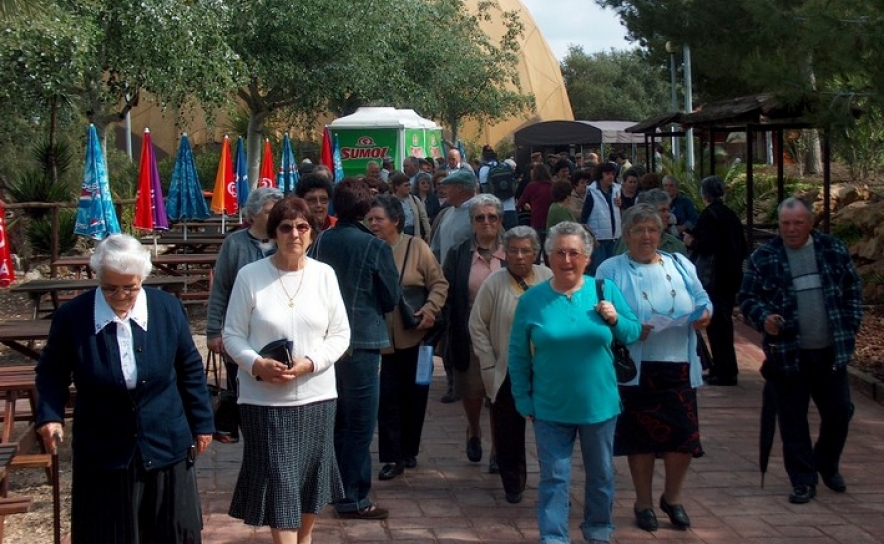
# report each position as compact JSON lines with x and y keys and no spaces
{"x":448,"y":500}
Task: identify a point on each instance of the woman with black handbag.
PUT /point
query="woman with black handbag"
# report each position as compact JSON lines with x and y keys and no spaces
{"x":659,"y":287}
{"x":403,"y":402}
{"x":563,"y":381}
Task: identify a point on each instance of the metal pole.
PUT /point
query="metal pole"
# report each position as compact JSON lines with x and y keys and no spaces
{"x":673,"y":96}
{"x":688,"y":108}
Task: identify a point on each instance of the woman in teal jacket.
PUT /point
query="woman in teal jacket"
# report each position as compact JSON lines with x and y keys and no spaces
{"x":562,"y":373}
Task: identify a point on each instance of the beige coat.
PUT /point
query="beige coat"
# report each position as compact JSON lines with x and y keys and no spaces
{"x":491,"y":322}
{"x":421,"y":270}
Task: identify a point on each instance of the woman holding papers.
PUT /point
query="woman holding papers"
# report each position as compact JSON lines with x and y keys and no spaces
{"x":288,"y":471}
{"x":660,"y":406}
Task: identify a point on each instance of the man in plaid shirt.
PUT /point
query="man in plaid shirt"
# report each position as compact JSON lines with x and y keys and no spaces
{"x":802,"y":292}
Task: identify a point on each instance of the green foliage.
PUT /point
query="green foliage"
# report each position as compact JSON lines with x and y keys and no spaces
{"x":36,"y":186}
{"x":99,"y":55}
{"x":39,"y":233}
{"x":859,"y":143}
{"x":614,"y":85}
{"x":792,"y":47}
{"x":207,"y":167}
{"x":847,"y":233}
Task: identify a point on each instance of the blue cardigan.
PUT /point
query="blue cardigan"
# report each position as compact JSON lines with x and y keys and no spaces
{"x":159,"y":418}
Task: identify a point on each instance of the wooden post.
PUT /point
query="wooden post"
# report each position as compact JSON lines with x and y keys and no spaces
{"x":53,"y":249}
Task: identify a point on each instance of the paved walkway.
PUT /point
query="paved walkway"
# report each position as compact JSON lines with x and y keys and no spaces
{"x":447,"y":499}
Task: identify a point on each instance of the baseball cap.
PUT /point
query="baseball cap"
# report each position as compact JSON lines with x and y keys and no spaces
{"x":461,"y":177}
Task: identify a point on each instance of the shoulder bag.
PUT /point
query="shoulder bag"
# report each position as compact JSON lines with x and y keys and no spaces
{"x":624,"y":366}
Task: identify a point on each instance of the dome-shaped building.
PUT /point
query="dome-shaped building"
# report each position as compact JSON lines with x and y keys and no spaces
{"x":539,"y":74}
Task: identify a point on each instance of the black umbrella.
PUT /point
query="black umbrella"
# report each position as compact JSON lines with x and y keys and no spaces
{"x":768,"y":426}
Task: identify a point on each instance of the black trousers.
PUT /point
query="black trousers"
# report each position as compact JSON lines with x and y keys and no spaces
{"x":402,"y":406}
{"x":721,"y":336}
{"x":509,"y":439}
{"x":830,"y":392}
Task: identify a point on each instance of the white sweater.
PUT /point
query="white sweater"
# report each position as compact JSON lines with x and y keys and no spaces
{"x":491,"y":321}
{"x":259,"y":313}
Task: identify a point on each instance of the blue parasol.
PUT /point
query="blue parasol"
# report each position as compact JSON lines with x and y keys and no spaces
{"x":186,"y":200}
{"x":287,"y":179}
{"x":241,"y":174}
{"x":96,"y":216}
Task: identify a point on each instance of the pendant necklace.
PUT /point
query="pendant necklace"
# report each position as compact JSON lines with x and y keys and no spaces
{"x":671,"y":292}
{"x":286,"y":291}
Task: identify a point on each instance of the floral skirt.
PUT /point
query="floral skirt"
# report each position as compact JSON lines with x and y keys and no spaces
{"x":660,"y":414}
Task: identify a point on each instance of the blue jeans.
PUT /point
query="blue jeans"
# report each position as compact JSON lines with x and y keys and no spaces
{"x":555,"y":443}
{"x":357,"y":413}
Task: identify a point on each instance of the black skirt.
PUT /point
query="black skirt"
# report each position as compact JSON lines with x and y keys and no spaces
{"x":288,"y":466}
{"x":134,"y":506}
{"x":660,"y":414}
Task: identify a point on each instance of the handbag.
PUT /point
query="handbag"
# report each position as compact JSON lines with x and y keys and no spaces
{"x":224,"y":403}
{"x":413,"y":298}
{"x":624,"y":366}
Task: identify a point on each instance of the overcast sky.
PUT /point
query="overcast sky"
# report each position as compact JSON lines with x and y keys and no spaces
{"x":578,"y":22}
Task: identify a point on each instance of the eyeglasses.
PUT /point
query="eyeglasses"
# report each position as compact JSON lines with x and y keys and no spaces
{"x":490,"y":218}
{"x":317,"y":200}
{"x":569,"y":253}
{"x":637,"y":231}
{"x":520,"y":251}
{"x":287,"y":228}
{"x":114,"y":290}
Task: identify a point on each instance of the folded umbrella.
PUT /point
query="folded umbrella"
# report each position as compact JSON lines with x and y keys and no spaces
{"x":186,"y":200}
{"x":768,"y":426}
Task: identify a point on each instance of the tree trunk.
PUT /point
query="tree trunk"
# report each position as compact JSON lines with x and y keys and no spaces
{"x":255,"y":144}
{"x":813,"y":163}
{"x":53,"y":122}
{"x":454,"y":123}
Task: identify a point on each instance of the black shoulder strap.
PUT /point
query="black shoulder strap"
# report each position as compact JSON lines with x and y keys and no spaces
{"x":600,"y":289}
{"x":405,"y":260}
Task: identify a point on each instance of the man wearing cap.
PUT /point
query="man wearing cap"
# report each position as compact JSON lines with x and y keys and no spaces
{"x":451,"y":227}
{"x":453,"y":223}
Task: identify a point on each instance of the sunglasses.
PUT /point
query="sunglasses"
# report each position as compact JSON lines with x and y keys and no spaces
{"x":490,"y":218}
{"x":287,"y":228}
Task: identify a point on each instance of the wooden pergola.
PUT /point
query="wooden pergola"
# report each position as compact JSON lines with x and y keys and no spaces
{"x":751,"y":114}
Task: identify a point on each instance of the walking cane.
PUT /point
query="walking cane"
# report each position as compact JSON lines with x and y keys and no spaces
{"x":56,"y":492}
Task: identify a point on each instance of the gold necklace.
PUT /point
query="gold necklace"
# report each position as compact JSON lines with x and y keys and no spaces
{"x":671,"y":292}
{"x":286,"y":291}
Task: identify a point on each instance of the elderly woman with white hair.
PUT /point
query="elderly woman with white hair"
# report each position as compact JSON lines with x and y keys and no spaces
{"x":239,"y":249}
{"x":491,"y":322}
{"x":563,"y":380}
{"x":142,"y":409}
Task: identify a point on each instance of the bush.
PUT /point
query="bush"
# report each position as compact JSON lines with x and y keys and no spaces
{"x":34,"y":186}
{"x":39,"y":233}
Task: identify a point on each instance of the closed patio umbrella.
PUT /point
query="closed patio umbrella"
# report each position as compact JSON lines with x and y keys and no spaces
{"x":150,"y":210}
{"x":186,"y":200}
{"x":96,"y":216}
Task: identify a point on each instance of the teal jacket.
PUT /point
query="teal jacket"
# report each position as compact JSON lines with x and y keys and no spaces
{"x":560,"y":360}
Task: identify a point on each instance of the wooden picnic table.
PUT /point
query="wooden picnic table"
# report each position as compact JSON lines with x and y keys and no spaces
{"x":36,"y":289}
{"x":193,"y":244}
{"x":169,"y":263}
{"x":20,"y":335}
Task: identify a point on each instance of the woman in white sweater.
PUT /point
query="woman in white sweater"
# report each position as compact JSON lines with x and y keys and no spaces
{"x":288,"y":470}
{"x":491,"y":320}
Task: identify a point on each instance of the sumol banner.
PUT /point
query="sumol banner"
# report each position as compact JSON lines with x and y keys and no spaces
{"x":358,"y":146}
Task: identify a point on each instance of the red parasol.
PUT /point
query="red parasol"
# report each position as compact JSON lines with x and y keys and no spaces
{"x":268,"y":173}
{"x":7,"y":270}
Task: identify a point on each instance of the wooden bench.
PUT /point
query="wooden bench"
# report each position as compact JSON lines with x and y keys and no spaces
{"x":9,"y":505}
